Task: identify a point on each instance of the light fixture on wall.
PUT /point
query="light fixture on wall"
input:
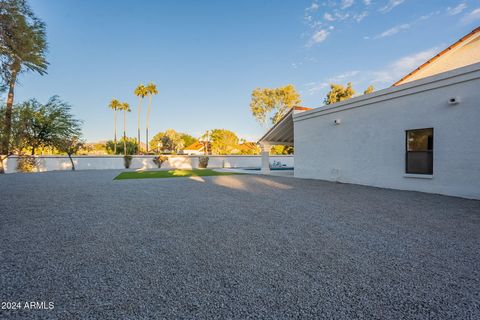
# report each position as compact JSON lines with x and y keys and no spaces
{"x":337,"y":121}
{"x":453,"y":101}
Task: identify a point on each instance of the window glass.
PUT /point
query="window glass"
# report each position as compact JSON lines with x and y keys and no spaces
{"x":420,"y":140}
{"x":419,"y":151}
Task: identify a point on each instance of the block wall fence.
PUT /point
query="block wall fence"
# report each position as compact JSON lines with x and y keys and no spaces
{"x":51,"y":163}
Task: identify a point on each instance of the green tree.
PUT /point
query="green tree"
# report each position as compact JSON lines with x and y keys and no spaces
{"x":125,"y":107}
{"x":140,"y":92}
{"x":151,"y":91}
{"x":370,"y":89}
{"x":248,"y":148}
{"x":273,"y":103}
{"x":339,"y":93}
{"x":16,"y":140}
{"x":40,"y":126}
{"x":129,"y":143}
{"x":97,"y":148}
{"x":23,"y":48}
{"x":173,"y":141}
{"x":156,"y":143}
{"x":279,"y":149}
{"x":223,"y":141}
{"x":115,"y":105}
{"x":169,"y":141}
{"x":70,"y":145}
{"x":188,"y":139}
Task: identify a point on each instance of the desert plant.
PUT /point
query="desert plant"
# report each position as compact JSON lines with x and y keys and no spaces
{"x":159,"y":160}
{"x":127,"y":161}
{"x":203,"y":162}
{"x":70,"y":146}
{"x":26,"y":163}
{"x":40,"y":126}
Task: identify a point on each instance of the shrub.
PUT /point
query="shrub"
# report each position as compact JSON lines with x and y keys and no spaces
{"x":131,"y":146}
{"x":159,"y":160}
{"x":26,"y":163}
{"x":202,"y":162}
{"x":127,"y":161}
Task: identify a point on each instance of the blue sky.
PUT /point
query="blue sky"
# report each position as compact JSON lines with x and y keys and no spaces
{"x":207,"y":56}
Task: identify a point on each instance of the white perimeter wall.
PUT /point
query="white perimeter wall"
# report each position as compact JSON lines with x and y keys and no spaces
{"x":49,"y":163}
{"x":368,"y":147}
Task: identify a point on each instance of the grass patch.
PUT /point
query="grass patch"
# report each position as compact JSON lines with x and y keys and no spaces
{"x":172,"y":174}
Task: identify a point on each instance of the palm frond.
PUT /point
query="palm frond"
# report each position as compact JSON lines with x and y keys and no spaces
{"x":152,"y":88}
{"x":140,"y":91}
{"x":125,"y":106}
{"x":23,"y":44}
{"x":114,"y":104}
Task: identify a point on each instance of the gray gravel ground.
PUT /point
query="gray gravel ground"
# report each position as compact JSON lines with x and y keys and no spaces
{"x":234,"y":247}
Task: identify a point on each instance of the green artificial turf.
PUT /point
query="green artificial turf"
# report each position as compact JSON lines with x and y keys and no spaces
{"x":171,"y":174}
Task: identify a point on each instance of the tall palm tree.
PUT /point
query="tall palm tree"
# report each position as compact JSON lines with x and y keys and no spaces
{"x":151,"y":91}
{"x":23,"y":48}
{"x":140,"y":92}
{"x":206,"y":139}
{"x":115,"y":105}
{"x":125,"y":107}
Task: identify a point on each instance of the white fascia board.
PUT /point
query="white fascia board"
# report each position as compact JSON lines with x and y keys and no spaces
{"x":448,"y":78}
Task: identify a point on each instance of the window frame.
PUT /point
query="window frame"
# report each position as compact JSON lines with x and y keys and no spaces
{"x":426,"y":151}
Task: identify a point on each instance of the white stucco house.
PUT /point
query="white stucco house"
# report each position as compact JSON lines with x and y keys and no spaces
{"x":196,"y":149}
{"x":422,"y":134}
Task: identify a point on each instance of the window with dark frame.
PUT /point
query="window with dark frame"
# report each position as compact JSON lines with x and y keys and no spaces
{"x":419,"y":151}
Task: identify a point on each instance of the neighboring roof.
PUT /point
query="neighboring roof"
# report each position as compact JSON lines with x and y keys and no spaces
{"x":247,"y":146}
{"x":300,"y":108}
{"x":282,"y":131}
{"x":445,"y":51}
{"x":195,"y":146}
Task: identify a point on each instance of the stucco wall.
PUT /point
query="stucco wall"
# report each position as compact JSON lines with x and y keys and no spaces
{"x":368,"y":147}
{"x":49,"y":163}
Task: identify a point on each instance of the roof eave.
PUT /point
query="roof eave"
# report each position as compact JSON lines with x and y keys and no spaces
{"x":446,"y":50}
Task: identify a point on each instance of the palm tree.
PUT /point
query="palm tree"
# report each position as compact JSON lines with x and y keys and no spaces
{"x":151,"y":90}
{"x":125,"y":107}
{"x":115,"y":105}
{"x":23,"y":47}
{"x":206,"y":139}
{"x":140,"y":92}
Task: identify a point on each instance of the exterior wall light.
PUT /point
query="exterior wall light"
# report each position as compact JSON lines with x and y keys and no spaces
{"x":337,"y":121}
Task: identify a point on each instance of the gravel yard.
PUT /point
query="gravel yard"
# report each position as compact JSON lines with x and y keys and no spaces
{"x":233,"y":247}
